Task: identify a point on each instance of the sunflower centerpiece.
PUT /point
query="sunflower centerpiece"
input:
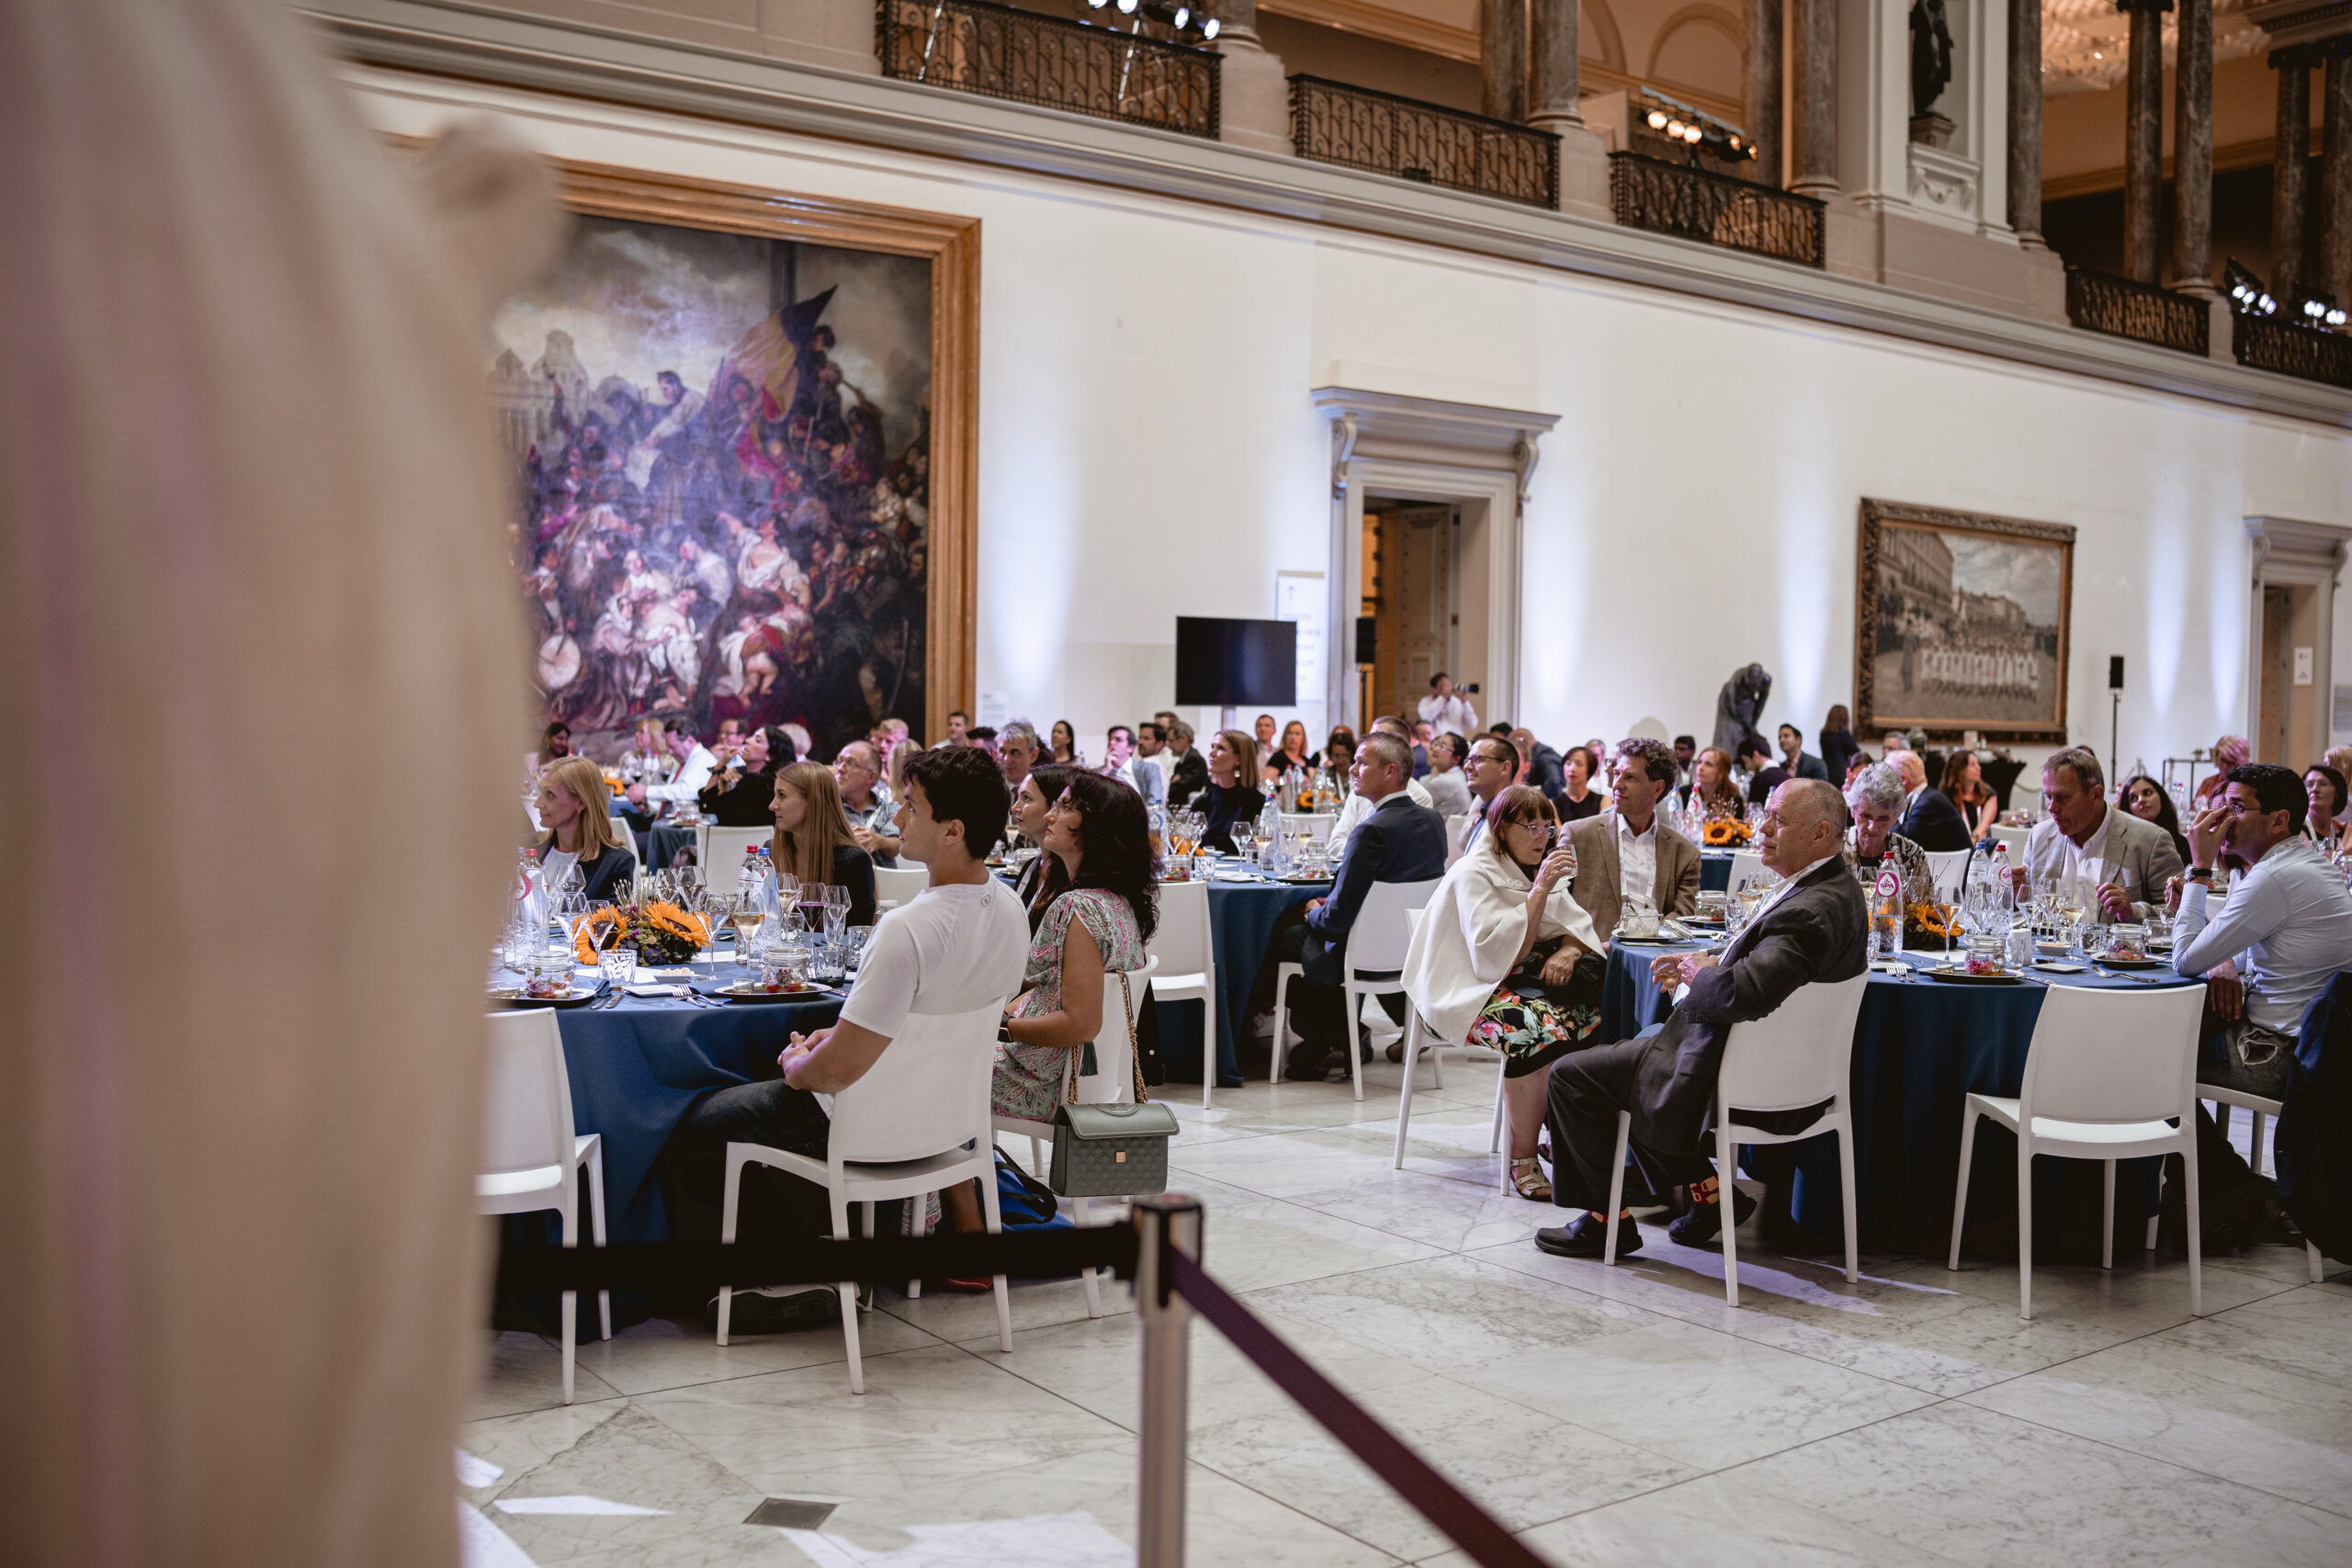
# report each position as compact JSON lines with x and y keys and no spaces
{"x":659,"y":930}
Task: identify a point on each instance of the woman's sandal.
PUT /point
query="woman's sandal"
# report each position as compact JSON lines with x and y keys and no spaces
{"x":1527,"y":1179}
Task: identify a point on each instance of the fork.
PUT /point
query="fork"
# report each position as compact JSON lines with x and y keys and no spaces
{"x":2119,"y":974}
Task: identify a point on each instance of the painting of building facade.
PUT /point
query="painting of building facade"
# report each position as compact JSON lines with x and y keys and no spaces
{"x":723,"y":458}
{"x":1962,"y":623}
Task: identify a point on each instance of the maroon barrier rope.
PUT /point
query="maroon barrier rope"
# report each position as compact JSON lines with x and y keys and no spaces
{"x":1410,"y":1475}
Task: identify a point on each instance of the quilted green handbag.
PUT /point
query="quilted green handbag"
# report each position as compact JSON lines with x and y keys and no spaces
{"x":1112,"y":1151}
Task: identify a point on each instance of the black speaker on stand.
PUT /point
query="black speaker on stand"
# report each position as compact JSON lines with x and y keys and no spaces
{"x":2115,"y":710}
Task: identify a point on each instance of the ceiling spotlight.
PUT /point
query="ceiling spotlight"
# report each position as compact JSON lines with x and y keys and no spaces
{"x":1210,"y":28}
{"x":1183,"y":14}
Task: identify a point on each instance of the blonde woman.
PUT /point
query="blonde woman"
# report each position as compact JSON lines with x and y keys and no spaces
{"x":1506,"y":959}
{"x":1233,"y":794}
{"x":574,"y":809}
{"x":812,"y":841}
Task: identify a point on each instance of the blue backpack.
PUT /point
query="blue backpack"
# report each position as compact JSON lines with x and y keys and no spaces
{"x":1026,"y":1202}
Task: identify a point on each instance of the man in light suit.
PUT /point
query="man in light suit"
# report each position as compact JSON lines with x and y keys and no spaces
{"x":1930,"y":819}
{"x":1628,"y":852}
{"x":1815,"y":928}
{"x":2127,"y":857}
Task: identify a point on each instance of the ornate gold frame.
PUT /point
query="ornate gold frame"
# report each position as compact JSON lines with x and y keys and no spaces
{"x":1876,"y":514}
{"x":952,"y":245}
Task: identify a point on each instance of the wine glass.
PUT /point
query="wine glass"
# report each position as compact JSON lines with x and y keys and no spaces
{"x":836,"y":912}
{"x":747,"y":916}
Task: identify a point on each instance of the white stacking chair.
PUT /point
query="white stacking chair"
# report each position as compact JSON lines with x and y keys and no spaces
{"x":915,"y":1123}
{"x":895,"y":886}
{"x":1185,"y":957}
{"x":1457,"y":827}
{"x":1800,"y":1054}
{"x":531,"y":1156}
{"x":1112,"y":1082}
{"x":1948,"y":869}
{"x":1315,"y":824}
{"x":719,"y":852}
{"x":1419,"y":1039}
{"x":2223,"y":1099}
{"x":2015,"y":839}
{"x":2109,"y":1075}
{"x":1370,"y":964}
{"x":1745,"y":865}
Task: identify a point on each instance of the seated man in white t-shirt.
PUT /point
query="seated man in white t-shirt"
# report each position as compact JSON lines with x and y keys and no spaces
{"x":960,"y":944}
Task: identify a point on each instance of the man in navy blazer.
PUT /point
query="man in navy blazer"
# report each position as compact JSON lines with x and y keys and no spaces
{"x":1930,"y":819}
{"x":1401,"y":841}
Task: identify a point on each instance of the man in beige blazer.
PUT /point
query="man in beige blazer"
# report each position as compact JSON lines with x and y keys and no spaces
{"x":1628,"y":850}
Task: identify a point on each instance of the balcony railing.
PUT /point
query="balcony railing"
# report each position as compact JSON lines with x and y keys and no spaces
{"x":2120,"y":307}
{"x":1333,"y":123}
{"x":2314,"y":354}
{"x":1717,"y":209}
{"x":975,"y":46}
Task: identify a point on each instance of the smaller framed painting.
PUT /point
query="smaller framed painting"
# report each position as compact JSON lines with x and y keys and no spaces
{"x":1960,"y":623}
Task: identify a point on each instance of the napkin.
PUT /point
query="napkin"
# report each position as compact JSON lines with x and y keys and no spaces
{"x":644,"y":988}
{"x":1231,"y":876}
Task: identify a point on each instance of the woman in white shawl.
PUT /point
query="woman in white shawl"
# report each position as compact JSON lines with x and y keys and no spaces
{"x":1504,"y":958}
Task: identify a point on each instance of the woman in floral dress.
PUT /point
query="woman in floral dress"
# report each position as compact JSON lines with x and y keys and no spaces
{"x":1092,"y":932}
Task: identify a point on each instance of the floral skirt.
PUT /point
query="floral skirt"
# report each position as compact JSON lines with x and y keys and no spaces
{"x":1533,"y":1032}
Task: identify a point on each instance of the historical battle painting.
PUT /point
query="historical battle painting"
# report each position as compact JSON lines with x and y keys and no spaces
{"x":722,"y":452}
{"x":1962,"y":623}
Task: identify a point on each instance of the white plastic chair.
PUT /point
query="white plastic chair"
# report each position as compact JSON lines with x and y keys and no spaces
{"x":2106,"y":1075}
{"x":1946,"y":869}
{"x":895,"y":886}
{"x":1457,"y":827}
{"x":1417,"y":1039}
{"x":916,"y":1123}
{"x":531,"y":1157}
{"x":1186,"y":961}
{"x":1799,"y":1054}
{"x":720,"y":853}
{"x":1370,"y":964}
{"x":1745,"y":865}
{"x":1112,"y":1082}
{"x":2223,"y":1099}
{"x":2015,"y":839}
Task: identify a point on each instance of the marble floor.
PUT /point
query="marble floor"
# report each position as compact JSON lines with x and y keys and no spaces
{"x":1611,"y":1416}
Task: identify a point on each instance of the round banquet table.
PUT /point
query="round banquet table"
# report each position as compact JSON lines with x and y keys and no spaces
{"x":1921,"y":1047}
{"x":1714,"y":871}
{"x":636,"y":1068}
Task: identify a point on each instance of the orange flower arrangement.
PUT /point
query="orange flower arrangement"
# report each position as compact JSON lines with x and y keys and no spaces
{"x":1939,"y":922}
{"x":660,"y":932}
{"x":1723,"y":832}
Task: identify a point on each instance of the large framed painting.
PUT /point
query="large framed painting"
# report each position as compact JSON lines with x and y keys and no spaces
{"x":743,"y":435}
{"x":1961,"y":623}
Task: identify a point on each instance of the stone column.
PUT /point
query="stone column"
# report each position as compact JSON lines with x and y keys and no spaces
{"x":1254,"y":99}
{"x":1764,"y":88}
{"x":1812,"y":164}
{"x":1502,"y":57}
{"x":1556,"y":87}
{"x":2144,"y":109}
{"x":2291,"y":171}
{"x":2025,"y":123}
{"x":2336,"y":180}
{"x":2192,"y":151}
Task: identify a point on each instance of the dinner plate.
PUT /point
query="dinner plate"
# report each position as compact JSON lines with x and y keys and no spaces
{"x":2133,"y":963}
{"x":512,"y":997}
{"x":2059,"y":966}
{"x":1305,"y":881}
{"x":1962,"y":977}
{"x":1652,"y":941}
{"x":748,"y":991}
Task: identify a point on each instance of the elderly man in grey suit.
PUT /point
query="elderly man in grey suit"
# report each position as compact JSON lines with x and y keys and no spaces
{"x":2082,"y":838}
{"x":1814,"y":928}
{"x":1628,"y":853}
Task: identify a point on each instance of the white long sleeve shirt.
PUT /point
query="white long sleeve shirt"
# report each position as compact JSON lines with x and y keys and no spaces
{"x":1449,"y":716}
{"x":692,"y":773}
{"x":2288,"y":924}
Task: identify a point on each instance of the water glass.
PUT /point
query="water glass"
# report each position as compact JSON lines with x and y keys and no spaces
{"x":620,"y":964}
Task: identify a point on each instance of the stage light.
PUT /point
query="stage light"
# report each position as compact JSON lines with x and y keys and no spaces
{"x":1657,"y":119}
{"x":1183,"y":14}
{"x":2247,"y":296}
{"x":1210,"y":29}
{"x":1128,"y":8}
{"x":1674,"y":128}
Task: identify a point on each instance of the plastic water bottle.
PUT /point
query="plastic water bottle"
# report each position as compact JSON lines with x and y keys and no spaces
{"x":764,"y":873}
{"x":1270,"y":828}
{"x":530,"y":894}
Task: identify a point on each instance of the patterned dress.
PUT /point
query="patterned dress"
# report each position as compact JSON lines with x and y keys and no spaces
{"x":1028,"y":1082}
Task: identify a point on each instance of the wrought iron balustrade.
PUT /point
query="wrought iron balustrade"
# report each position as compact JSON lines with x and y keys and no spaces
{"x":2265,"y":343}
{"x":2121,"y":307}
{"x":973,"y":46}
{"x":1359,"y":128}
{"x":1716,"y":209}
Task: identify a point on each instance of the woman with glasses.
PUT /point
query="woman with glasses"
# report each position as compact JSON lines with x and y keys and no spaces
{"x":1504,"y":958}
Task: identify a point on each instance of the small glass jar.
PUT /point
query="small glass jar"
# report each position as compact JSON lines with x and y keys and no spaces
{"x":1985,"y":955}
{"x":2127,"y":942}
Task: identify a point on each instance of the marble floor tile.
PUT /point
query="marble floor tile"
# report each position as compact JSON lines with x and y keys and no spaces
{"x":2182,"y":1399}
{"x":671,"y":1353}
{"x":1984,"y":1488}
{"x":1459,"y":1216}
{"x":959,"y":1317}
{"x":1692,"y":1395}
{"x":926,"y":1415}
{"x":524,"y":1372}
{"x":2138,"y":1286}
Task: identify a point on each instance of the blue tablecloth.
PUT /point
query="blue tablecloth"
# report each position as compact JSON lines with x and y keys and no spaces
{"x":658,"y":845}
{"x":1921,"y":1047}
{"x":636,"y":1070}
{"x":1715,"y":870}
{"x":1241,"y":927}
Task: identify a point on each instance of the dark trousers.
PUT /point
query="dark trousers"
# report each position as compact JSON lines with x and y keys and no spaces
{"x":775,"y":1202}
{"x":2222,"y":1172}
{"x":1587,"y":1089}
{"x":1316,"y":1010}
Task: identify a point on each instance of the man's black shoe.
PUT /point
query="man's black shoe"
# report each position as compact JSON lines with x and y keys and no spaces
{"x":1307,"y":1061}
{"x":1586,"y":1236}
{"x":1704,"y":1223}
{"x":758,"y":1312}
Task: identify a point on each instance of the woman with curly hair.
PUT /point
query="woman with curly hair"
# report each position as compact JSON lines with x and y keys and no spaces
{"x":1098,"y":927}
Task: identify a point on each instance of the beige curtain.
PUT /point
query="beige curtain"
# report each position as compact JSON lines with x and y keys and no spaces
{"x":260,"y":682}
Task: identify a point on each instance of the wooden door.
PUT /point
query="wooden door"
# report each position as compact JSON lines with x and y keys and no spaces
{"x":1417,"y":608}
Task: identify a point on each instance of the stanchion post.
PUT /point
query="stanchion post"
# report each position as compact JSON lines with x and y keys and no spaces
{"x":1167,"y":1222}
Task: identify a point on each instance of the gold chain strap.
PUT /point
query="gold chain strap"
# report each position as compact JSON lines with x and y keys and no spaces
{"x":1135,"y":1052}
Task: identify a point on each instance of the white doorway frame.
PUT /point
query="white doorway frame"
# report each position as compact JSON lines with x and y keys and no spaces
{"x":2288,"y":554}
{"x":1428,"y":449}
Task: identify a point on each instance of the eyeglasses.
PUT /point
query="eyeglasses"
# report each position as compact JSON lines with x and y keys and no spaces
{"x":1545,"y":831}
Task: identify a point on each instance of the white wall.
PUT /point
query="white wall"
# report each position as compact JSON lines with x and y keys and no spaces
{"x":1147,"y":448}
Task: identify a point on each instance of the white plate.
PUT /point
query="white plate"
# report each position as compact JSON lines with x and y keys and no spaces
{"x":2055,"y":966}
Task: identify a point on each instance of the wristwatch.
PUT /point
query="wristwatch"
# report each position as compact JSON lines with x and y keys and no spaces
{"x":2201,"y":874}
